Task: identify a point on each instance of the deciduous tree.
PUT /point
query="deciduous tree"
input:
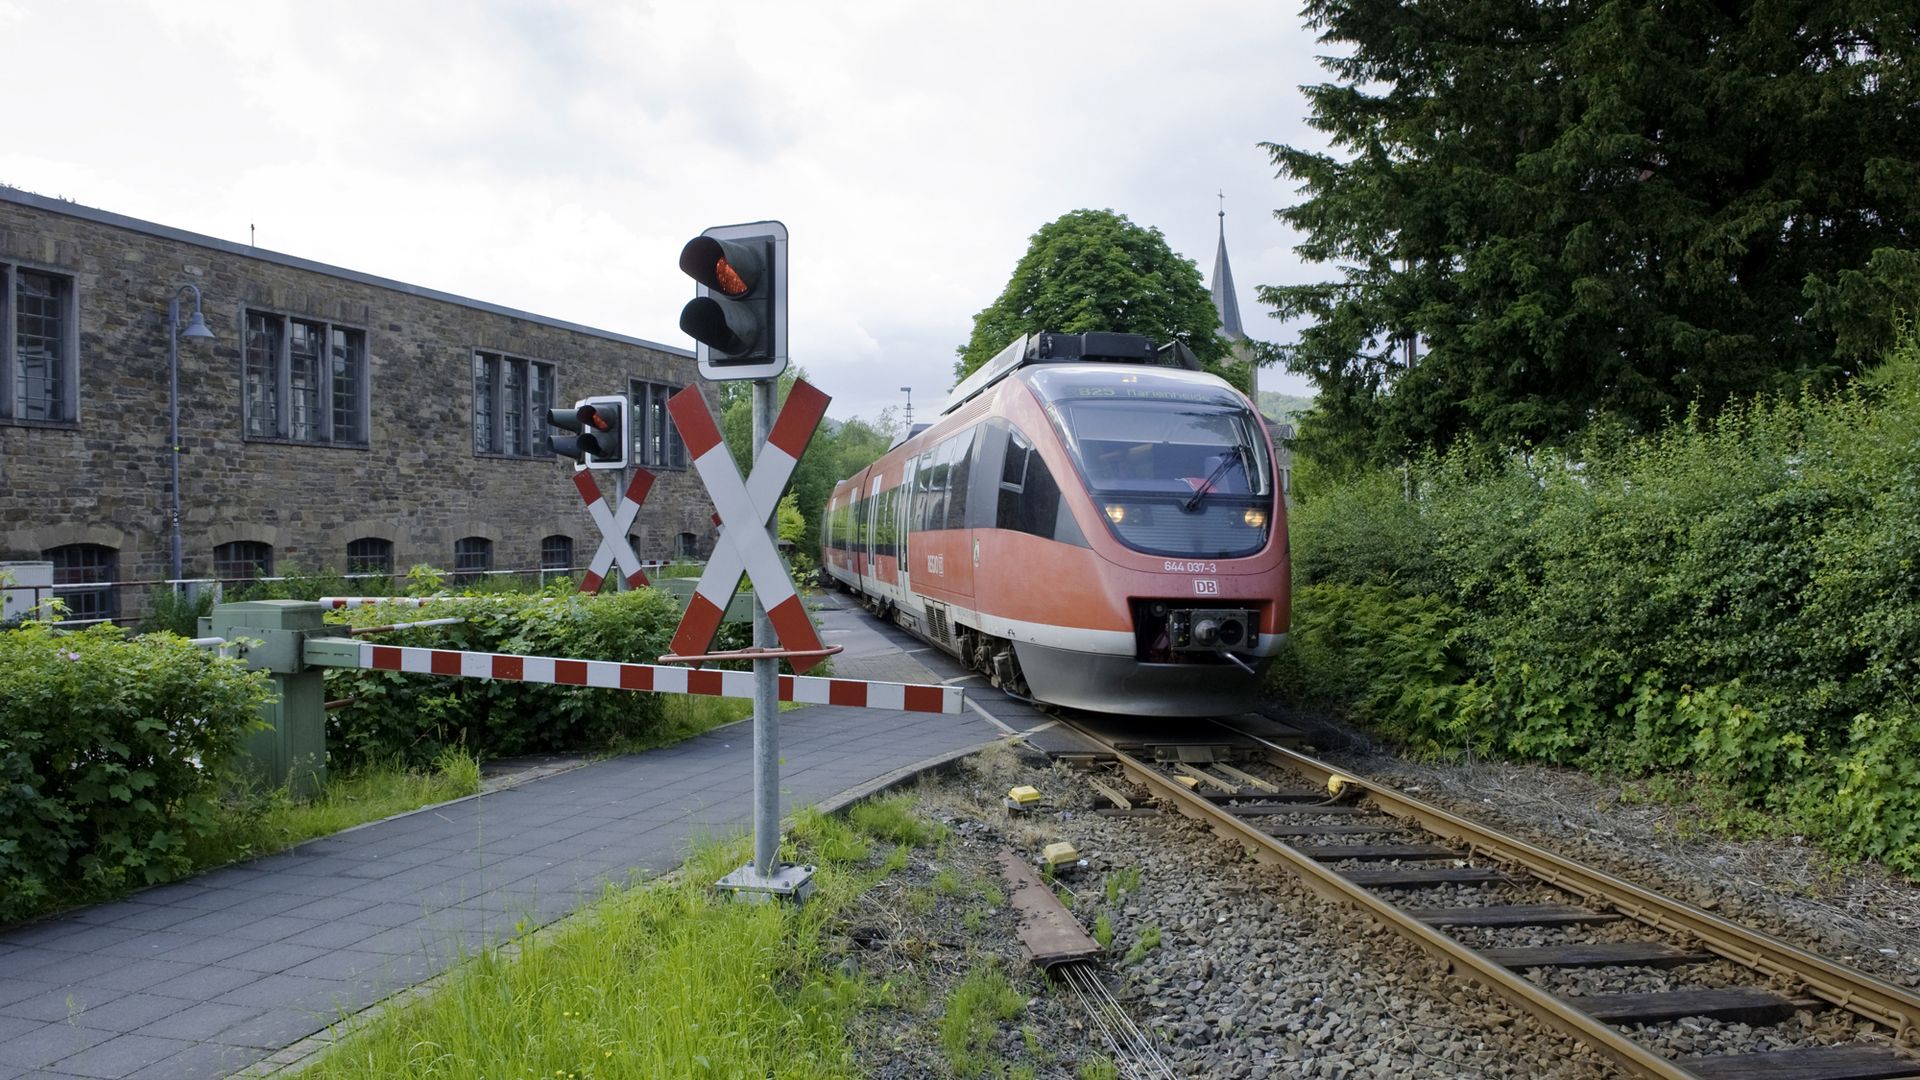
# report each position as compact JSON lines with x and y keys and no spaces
{"x":1096,"y":270}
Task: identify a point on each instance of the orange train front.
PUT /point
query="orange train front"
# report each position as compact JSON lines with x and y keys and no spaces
{"x":1092,"y":523}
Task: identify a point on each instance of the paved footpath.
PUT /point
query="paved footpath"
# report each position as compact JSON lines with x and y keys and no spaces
{"x":214,"y":974}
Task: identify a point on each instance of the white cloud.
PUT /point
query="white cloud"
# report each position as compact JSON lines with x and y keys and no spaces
{"x":554,"y":156}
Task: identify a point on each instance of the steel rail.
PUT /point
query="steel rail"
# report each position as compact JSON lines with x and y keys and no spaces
{"x":1855,"y":991}
{"x":1554,"y":1012}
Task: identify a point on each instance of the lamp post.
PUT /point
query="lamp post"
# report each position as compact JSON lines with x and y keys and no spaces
{"x":908,"y":390}
{"x":196,"y":329}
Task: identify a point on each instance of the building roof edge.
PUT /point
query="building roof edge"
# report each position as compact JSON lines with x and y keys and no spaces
{"x":167,"y":232}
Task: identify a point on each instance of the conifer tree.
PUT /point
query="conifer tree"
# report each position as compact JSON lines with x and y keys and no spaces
{"x":1597,"y":206}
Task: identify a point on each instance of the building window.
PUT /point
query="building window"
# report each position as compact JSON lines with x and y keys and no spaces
{"x":243,"y":560}
{"x":370,"y":555}
{"x":86,"y":564}
{"x":306,"y":381}
{"x":38,"y":346}
{"x":656,"y":443}
{"x":511,"y":396}
{"x":472,"y":557}
{"x":556,"y":553}
{"x":685,"y":546}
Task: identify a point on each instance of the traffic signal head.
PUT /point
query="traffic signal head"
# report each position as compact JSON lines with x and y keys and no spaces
{"x":738,"y":316}
{"x":599,"y":427}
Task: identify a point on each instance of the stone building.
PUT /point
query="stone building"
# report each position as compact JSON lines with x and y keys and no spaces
{"x":336,"y":420}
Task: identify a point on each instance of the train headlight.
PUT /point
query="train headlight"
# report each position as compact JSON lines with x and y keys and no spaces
{"x":1255,"y":518}
{"x":1116,"y":513}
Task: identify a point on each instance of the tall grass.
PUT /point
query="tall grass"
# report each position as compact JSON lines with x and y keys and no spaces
{"x":261,"y":822}
{"x":666,"y":980}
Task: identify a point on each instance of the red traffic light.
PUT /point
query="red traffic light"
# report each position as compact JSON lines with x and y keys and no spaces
{"x":730,"y":269}
{"x":738,"y":319}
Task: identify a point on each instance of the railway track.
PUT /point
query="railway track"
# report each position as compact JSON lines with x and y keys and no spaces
{"x":1393,"y":856}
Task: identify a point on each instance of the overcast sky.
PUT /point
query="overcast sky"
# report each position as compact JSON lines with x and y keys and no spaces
{"x":555,"y":157}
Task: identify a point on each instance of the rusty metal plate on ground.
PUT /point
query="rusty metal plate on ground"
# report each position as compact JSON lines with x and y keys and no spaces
{"x":1047,"y":931}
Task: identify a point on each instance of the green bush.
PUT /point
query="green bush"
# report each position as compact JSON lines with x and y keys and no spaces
{"x":412,"y":718}
{"x":113,"y":755}
{"x":1737,"y":598}
{"x":173,"y":612}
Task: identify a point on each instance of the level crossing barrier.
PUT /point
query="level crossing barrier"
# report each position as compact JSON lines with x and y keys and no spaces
{"x":289,"y":639}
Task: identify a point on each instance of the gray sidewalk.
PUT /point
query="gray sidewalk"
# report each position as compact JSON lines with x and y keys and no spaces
{"x":206,"y":976}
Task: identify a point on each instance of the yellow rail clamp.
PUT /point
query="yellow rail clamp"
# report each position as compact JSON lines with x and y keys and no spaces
{"x":1021,"y":797}
{"x":1058,"y":855}
{"x":1192,"y":782}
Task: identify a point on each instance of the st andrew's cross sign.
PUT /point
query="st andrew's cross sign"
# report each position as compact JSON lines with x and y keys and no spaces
{"x":745,"y":507}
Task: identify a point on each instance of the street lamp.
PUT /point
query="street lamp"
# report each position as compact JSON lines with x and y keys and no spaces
{"x":196,"y":329}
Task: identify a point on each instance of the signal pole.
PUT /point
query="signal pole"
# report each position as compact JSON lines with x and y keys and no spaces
{"x":766,"y":681}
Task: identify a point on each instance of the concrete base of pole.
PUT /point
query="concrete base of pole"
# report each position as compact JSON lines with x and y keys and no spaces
{"x":787,"y":882}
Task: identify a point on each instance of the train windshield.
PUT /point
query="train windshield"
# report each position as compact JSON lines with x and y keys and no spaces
{"x":1177,"y":465}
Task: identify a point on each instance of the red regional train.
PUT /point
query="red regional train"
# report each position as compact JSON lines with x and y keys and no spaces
{"x":1092,"y":523}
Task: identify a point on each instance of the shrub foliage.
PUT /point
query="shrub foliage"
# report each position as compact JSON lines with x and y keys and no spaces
{"x":395,"y":716}
{"x":1737,"y":598}
{"x":113,"y":755}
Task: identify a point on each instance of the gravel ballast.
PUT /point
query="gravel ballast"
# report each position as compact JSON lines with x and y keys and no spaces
{"x":1254,"y":975}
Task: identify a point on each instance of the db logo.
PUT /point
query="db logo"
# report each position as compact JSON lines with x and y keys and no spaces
{"x":1206,"y":587}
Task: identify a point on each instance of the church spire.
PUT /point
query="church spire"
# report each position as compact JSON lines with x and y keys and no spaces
{"x":1224,"y":300}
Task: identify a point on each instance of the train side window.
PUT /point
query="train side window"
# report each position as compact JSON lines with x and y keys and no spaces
{"x":922,"y":478}
{"x":936,"y":512}
{"x":957,"y":480}
{"x":1015,"y":470}
{"x":1040,"y":501}
{"x":1032,"y":503}
{"x":1013,"y":479}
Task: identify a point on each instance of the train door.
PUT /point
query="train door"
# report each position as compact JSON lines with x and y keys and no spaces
{"x":960,"y":543}
{"x":902,"y":506}
{"x":871,"y":538}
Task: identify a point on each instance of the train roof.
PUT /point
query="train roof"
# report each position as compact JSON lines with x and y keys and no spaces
{"x":1050,"y":347}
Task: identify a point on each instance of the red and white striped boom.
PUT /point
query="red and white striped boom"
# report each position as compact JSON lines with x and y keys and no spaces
{"x":613,"y":675}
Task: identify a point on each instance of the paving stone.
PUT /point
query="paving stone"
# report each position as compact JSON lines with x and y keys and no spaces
{"x":200,"y":1021}
{"x":149,"y":943}
{"x":272,"y":957}
{"x":274,"y":1029}
{"x":138,"y":974}
{"x":201,"y":1061}
{"x":43,"y":934}
{"x":205,"y":983}
{"x":61,"y":1003}
{"x":383,"y":891}
{"x":329,"y":908}
{"x":16,"y":989}
{"x":270,"y":903}
{"x":211,"y":899}
{"x":285,"y":991}
{"x":316,"y":887}
{"x":129,"y":1012}
{"x":151,"y":917}
{"x":207,"y":949}
{"x":47,"y":1044}
{"x":335,"y":935}
{"x":120,"y":1056}
{"x":387,"y":915}
{"x":271,"y":927}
